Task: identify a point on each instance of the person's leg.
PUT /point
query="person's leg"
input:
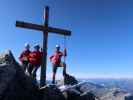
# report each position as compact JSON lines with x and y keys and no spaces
{"x":25,"y":65}
{"x":34,"y":71}
{"x":62,"y":64}
{"x":34,"y":75}
{"x":30,"y":68}
{"x":54,"y":73}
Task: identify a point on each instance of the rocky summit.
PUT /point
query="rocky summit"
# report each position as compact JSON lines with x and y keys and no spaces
{"x":16,"y":85}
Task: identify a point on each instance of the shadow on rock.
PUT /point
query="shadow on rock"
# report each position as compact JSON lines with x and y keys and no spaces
{"x":51,"y":92}
{"x":14,"y":84}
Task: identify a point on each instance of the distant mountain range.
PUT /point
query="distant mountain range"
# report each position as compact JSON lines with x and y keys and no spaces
{"x":124,"y":84}
{"x":110,"y":89}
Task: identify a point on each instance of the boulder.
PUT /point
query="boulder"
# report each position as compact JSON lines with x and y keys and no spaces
{"x":87,"y":96}
{"x":14,"y":84}
{"x":70,"y":80}
{"x":51,"y":92}
{"x":72,"y":90}
{"x":73,"y":94}
{"x":129,"y":97}
{"x":67,"y":80}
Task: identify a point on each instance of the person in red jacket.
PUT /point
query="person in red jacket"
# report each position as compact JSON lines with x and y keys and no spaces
{"x":56,"y":62}
{"x":35,"y":60}
{"x":24,"y":56}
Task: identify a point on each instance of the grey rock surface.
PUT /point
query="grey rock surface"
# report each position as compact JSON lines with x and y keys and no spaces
{"x":129,"y":97}
{"x":51,"y":92}
{"x":70,"y":80}
{"x":14,"y":84}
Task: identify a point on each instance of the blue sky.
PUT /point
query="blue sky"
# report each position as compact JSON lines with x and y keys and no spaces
{"x":101,"y":41}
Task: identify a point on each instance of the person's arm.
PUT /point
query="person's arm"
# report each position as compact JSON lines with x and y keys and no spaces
{"x":51,"y":57}
{"x":21,"y":57}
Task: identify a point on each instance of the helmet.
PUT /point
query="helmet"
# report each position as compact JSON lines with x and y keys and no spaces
{"x":57,"y":46}
{"x":36,"y":46}
{"x":27,"y":45}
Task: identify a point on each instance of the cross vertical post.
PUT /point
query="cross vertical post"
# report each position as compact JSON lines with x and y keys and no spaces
{"x":45,"y":42}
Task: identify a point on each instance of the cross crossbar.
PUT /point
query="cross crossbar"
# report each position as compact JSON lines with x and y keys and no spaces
{"x":42,"y":28}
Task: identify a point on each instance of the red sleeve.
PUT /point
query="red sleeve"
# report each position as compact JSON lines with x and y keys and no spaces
{"x":51,"y":57}
{"x":29,"y":56}
{"x":21,"y":55}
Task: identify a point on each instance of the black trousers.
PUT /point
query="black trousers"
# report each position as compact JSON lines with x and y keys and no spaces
{"x":25,"y":65}
{"x":30,"y":69}
{"x":55,"y":67}
{"x":35,"y":70}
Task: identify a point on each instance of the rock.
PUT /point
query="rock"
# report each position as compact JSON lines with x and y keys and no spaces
{"x":71,"y":94}
{"x":87,"y":96}
{"x":70,"y":80}
{"x":67,"y":80}
{"x":88,"y":86}
{"x":7,"y":58}
{"x":129,"y":97}
{"x":51,"y":92}
{"x":14,"y":84}
{"x":77,"y":92}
